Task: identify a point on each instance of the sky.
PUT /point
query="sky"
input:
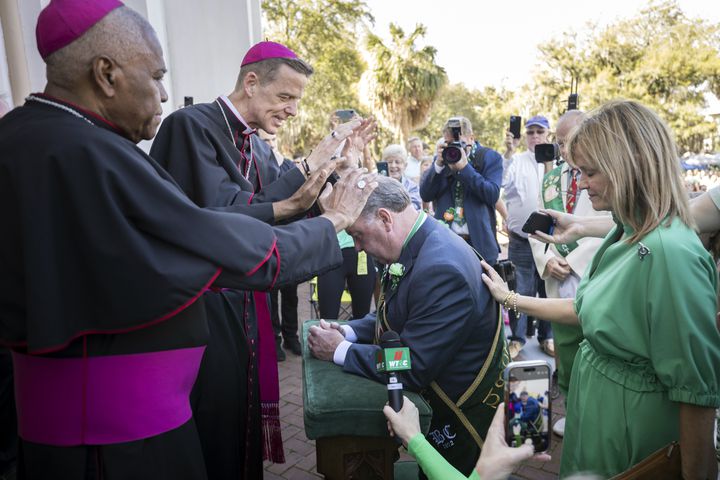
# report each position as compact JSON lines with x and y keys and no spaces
{"x":506,"y":33}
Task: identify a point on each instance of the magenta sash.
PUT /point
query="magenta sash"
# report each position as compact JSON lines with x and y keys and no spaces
{"x":106,"y":399}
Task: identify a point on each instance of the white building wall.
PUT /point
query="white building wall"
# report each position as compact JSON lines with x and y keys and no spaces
{"x":204,"y":42}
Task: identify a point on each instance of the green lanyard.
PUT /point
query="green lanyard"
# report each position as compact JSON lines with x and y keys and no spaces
{"x":381,"y":323}
{"x":415,"y":228}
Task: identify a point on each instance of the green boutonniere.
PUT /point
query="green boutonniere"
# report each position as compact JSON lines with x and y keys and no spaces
{"x":396,"y":271}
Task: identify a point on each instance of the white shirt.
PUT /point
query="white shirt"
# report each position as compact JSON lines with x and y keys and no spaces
{"x":521,"y":183}
{"x":342,"y":349}
{"x":412,"y":171}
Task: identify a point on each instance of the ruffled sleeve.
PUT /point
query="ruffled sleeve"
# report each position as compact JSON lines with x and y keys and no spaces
{"x":684,"y":339}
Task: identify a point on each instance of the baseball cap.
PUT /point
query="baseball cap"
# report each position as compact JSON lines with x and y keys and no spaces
{"x":539,"y":121}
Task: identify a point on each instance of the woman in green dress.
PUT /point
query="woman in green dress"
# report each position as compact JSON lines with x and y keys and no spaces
{"x":647,"y":372}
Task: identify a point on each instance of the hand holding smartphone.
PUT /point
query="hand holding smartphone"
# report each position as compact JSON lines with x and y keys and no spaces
{"x":541,"y":221}
{"x":527,"y":404}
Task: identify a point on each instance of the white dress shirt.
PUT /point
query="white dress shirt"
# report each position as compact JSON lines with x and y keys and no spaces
{"x":342,"y":349}
{"x":521,"y":183}
{"x":412,"y":171}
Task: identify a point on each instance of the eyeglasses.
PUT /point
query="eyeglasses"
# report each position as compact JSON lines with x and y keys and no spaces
{"x":535,"y":132}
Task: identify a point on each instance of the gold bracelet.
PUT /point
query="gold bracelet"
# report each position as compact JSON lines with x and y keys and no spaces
{"x":507,"y":298}
{"x":514,"y":307}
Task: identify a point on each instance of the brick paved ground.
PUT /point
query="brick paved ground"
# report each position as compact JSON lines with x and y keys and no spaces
{"x":300,"y":452}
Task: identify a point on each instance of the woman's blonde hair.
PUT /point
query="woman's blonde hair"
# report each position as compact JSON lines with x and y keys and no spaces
{"x":635,"y":150}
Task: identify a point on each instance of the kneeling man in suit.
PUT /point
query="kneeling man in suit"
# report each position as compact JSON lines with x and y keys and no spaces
{"x":433,"y":297}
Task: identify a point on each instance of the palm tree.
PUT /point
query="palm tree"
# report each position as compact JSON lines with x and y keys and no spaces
{"x":404,"y":82}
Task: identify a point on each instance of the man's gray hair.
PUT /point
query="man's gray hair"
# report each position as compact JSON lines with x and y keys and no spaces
{"x":389,"y":194}
{"x":572,"y":115}
{"x":267,"y":69}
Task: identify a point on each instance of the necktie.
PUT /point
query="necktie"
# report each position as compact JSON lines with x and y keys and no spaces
{"x":381,"y":325}
{"x":572,"y":192}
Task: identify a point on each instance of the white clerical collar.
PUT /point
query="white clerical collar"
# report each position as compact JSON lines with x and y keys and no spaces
{"x":235,"y":112}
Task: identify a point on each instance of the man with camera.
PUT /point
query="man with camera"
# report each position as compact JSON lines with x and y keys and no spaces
{"x":521,"y":184}
{"x":465,"y":183}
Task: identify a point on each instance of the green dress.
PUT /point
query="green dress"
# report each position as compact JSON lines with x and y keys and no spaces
{"x":647,"y":311}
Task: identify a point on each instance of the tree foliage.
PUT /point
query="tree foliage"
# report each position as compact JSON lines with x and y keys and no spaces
{"x":659,"y":57}
{"x":404,"y":81}
{"x":662,"y":58}
{"x":488,"y":111}
{"x":323,"y":33}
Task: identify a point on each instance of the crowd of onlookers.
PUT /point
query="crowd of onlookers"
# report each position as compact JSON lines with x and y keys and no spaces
{"x":701,"y":180}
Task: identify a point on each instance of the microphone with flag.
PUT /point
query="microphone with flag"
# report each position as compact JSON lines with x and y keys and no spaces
{"x":393,"y":357}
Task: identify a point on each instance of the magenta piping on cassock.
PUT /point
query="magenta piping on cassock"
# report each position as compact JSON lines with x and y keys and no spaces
{"x":105,"y":399}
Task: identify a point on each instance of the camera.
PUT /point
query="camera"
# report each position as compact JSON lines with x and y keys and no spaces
{"x":453,"y":150}
{"x":547,"y":152}
{"x":573,"y":102}
{"x":506,"y":269}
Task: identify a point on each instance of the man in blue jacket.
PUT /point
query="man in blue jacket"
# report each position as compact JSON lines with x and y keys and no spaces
{"x":433,"y":298}
{"x":466,"y":191}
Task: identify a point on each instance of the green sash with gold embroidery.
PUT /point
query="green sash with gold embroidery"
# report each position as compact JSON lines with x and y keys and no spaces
{"x":552,"y":200}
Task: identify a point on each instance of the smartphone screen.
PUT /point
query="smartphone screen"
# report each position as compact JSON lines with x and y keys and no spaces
{"x":539,"y":221}
{"x":527,"y":404}
{"x":382,"y":168}
{"x":515,"y":125}
{"x":345,"y":115}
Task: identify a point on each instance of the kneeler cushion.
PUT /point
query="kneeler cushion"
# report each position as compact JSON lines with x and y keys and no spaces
{"x":336,"y":403}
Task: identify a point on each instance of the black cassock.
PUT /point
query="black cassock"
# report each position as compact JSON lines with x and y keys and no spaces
{"x":103,"y":262}
{"x":204,"y":149}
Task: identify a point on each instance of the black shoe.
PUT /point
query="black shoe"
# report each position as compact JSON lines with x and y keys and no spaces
{"x":293,"y":345}
{"x":279,"y":351}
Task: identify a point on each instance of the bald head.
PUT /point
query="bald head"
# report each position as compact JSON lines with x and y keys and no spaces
{"x":122,"y":35}
{"x":566,"y":124}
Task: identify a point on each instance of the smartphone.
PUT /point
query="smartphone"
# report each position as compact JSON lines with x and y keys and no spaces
{"x":539,"y":221}
{"x":515,"y":125}
{"x":345,"y":115}
{"x":382,"y":168}
{"x":527,"y":404}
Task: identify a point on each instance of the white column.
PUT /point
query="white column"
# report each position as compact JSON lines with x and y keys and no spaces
{"x":206,"y":42}
{"x":203,"y":42}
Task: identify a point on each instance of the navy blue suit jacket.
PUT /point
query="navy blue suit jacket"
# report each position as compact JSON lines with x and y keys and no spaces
{"x":442,"y":311}
{"x":481,"y":192}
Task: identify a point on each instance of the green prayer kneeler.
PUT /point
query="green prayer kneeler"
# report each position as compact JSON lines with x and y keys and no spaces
{"x":343,"y":413}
